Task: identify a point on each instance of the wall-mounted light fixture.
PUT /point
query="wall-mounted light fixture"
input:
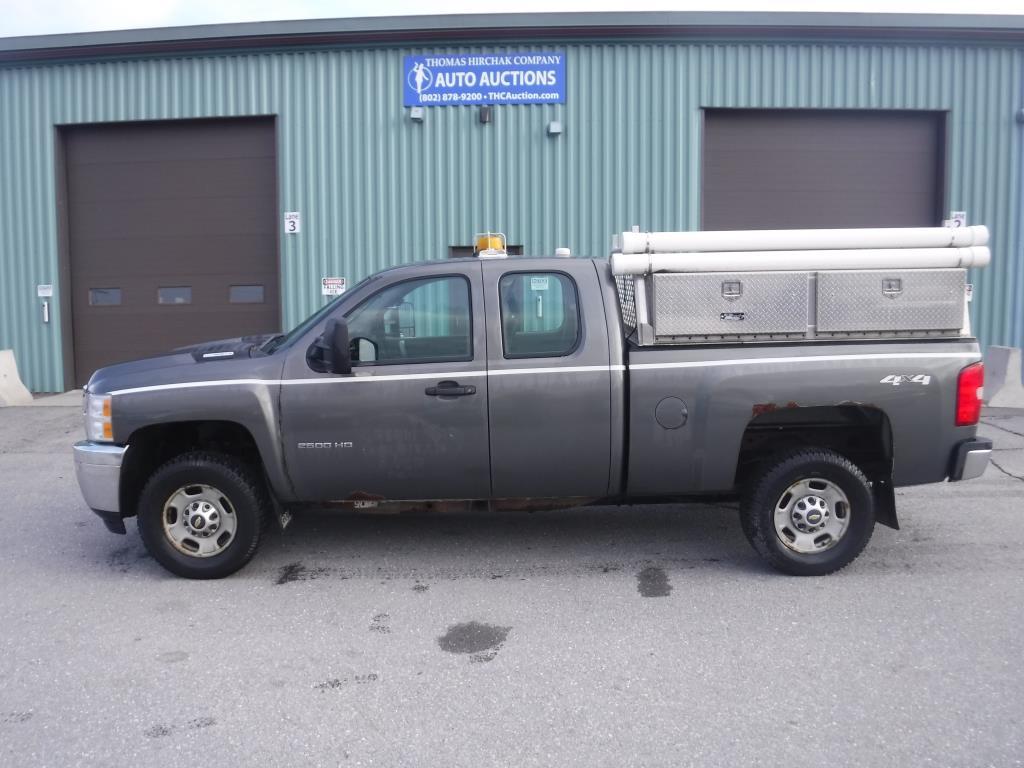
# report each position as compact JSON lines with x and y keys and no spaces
{"x":1019,"y":117}
{"x":485,"y":114}
{"x":416,"y":114}
{"x":554,"y":128}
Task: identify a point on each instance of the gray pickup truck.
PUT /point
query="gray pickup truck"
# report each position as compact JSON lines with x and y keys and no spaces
{"x":527,"y":383}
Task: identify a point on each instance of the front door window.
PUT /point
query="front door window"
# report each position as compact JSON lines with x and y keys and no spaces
{"x":417,"y":321}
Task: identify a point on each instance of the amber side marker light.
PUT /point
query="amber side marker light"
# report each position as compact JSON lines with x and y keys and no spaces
{"x":98,"y":411}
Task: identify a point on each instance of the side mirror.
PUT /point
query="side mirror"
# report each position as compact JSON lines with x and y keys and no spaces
{"x":362,"y":350}
{"x":330,"y":352}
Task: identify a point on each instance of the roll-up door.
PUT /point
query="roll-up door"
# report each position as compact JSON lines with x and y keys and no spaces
{"x":796,"y":169}
{"x":171,"y":236}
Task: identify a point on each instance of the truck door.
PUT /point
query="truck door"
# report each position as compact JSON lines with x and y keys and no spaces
{"x":549,"y":379}
{"x":410,"y":421}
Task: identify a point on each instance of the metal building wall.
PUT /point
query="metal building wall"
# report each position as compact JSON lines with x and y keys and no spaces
{"x":376,"y":189}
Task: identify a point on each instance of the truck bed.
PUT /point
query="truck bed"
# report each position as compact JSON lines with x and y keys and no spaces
{"x":723,"y":391}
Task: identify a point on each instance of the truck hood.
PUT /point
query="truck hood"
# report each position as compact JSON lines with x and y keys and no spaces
{"x":242,"y":346}
{"x":229,"y":358}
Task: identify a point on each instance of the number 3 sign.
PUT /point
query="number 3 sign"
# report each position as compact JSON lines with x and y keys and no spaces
{"x":292,"y":223}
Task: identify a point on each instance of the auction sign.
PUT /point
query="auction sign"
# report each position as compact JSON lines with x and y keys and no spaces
{"x":435,"y":80}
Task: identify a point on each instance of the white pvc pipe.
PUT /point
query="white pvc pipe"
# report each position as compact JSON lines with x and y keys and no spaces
{"x":760,"y":261}
{"x":800,"y":239}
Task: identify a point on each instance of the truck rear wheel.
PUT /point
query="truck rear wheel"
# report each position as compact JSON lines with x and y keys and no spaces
{"x":809,"y":512}
{"x":201,"y":515}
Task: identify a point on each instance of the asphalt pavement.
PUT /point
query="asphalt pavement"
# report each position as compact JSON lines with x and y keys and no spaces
{"x":646,"y":636}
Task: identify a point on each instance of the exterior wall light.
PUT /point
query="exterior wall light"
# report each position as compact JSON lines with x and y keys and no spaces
{"x":485,"y":114}
{"x":554,"y":128}
{"x":416,"y":114}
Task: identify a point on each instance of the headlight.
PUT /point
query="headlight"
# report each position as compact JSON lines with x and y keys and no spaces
{"x":98,"y":427}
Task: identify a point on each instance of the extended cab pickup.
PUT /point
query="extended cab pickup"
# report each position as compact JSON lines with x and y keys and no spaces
{"x":528,"y":383}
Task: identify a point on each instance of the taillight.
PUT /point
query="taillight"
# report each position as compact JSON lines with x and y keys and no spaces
{"x":969,"y":393}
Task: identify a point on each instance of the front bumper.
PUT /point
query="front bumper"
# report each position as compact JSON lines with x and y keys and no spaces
{"x":98,"y":469}
{"x":970,"y":459}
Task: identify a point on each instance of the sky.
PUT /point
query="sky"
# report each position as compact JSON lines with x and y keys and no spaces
{"x":42,"y":17}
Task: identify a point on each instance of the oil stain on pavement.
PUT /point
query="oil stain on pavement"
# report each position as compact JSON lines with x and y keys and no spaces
{"x":653,"y":582}
{"x":163,"y":729}
{"x":481,"y":641}
{"x":123,"y":559}
{"x":340,"y":682}
{"x":298,"y":572}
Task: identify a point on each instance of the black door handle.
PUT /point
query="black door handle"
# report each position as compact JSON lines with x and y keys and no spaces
{"x":451,"y":389}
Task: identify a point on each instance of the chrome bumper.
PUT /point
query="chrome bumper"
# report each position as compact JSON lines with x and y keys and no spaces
{"x":970,"y":459}
{"x":98,"y":469}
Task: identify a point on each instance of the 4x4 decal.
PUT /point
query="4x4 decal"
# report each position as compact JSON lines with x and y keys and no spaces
{"x":912,"y":378}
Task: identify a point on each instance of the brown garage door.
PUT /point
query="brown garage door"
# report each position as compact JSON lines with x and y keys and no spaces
{"x":172,"y":236}
{"x":782,"y":169}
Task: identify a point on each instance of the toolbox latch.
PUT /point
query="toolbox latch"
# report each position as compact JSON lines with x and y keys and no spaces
{"x":732,"y":289}
{"x":892,"y":287}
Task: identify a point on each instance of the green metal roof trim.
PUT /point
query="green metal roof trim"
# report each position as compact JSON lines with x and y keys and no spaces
{"x":406,"y":29}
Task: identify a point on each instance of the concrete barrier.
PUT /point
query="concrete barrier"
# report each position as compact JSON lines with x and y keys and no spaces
{"x":1003,"y":387}
{"x":71,"y":398}
{"x":12,"y":391}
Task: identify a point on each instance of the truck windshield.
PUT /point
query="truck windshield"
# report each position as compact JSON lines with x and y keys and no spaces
{"x":286,"y":339}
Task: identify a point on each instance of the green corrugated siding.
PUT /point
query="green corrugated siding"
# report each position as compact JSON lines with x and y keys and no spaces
{"x":375,"y":189}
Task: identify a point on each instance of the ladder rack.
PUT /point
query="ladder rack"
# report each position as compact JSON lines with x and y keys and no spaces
{"x":797,"y":284}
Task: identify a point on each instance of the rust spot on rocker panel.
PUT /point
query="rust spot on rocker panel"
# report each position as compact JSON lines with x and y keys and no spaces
{"x":760,"y":409}
{"x":365,"y":502}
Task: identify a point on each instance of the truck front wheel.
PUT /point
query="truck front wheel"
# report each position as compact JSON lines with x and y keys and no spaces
{"x":201,"y":515}
{"x":809,"y":512}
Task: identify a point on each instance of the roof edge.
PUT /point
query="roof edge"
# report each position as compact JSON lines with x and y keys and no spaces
{"x":458,"y":27}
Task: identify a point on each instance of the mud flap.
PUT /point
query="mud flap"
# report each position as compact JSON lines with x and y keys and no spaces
{"x":113,"y":521}
{"x":281,"y":514}
{"x":885,"y":503}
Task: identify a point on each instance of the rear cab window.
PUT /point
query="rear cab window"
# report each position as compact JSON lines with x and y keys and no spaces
{"x":539,"y":314}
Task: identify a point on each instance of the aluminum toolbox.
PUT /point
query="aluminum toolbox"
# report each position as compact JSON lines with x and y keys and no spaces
{"x":899,"y":302}
{"x":722,"y":305}
{"x":694,"y":307}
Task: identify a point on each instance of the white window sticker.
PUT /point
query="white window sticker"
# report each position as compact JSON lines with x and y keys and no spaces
{"x":538,"y":283}
{"x":292,"y":223}
{"x":332,"y":286}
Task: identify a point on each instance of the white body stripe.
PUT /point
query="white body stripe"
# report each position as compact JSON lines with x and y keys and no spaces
{"x":193,"y":385}
{"x":357,"y":379}
{"x":557,"y":369}
{"x":807,"y":359}
{"x":364,"y":378}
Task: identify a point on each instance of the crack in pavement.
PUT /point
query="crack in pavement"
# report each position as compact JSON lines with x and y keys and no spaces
{"x":1006,"y":471}
{"x":1005,"y":429}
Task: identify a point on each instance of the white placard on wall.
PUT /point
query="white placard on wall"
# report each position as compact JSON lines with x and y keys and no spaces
{"x":332,"y":286}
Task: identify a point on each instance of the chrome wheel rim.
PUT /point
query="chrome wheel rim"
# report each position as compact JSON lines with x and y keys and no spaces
{"x":199,"y":521}
{"x":812,"y":515}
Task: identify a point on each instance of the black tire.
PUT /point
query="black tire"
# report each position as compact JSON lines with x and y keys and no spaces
{"x":766,"y":489}
{"x":240,"y":486}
